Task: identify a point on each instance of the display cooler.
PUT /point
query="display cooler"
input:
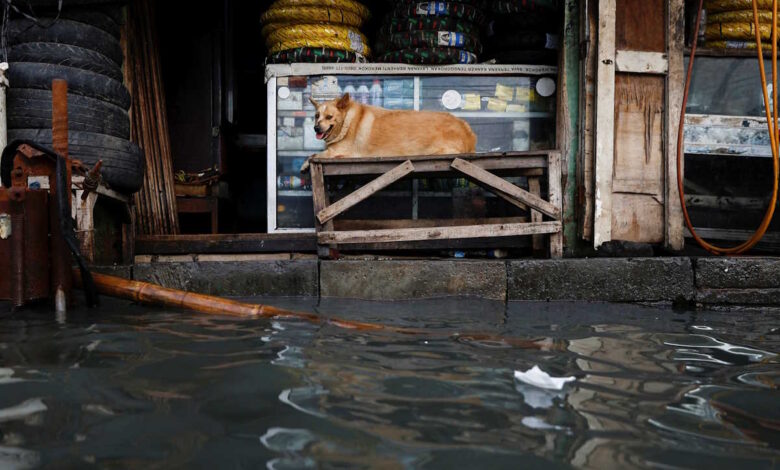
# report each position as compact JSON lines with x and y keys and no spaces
{"x":509,"y":107}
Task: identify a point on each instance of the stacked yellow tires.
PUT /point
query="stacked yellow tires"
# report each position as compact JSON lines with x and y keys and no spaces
{"x":730,"y":23}
{"x":315,"y":31}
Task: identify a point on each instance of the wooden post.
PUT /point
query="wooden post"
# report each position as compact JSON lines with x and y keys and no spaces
{"x":534,"y":187}
{"x":555,"y":190}
{"x":85,"y":223}
{"x":605,"y":122}
{"x":321,"y":201}
{"x":675,"y":42}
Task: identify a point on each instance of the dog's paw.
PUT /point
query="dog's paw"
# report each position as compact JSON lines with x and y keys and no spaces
{"x":305,"y":166}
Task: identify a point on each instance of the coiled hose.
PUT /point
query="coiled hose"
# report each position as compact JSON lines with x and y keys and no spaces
{"x":771,"y":115}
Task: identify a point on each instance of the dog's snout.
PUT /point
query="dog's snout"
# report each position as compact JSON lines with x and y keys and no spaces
{"x":317,"y":127}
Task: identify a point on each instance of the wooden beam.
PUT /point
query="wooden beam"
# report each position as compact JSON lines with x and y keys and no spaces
{"x":438,"y":233}
{"x":641,"y":62}
{"x":439,"y":165}
{"x":417,"y":158}
{"x":605,"y":122}
{"x":535,"y":188}
{"x":338,"y":207}
{"x":555,"y":190}
{"x":383,"y":224}
{"x":225,"y":243}
{"x":673,"y":216}
{"x":500,"y":185}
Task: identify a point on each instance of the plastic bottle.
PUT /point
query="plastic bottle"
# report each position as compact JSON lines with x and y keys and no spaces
{"x":349,"y":89}
{"x":376,"y":93}
{"x":362,"y":94}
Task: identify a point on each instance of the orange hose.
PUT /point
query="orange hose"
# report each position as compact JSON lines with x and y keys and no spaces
{"x":772,"y":123}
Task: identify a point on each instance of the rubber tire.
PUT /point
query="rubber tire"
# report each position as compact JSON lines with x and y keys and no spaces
{"x":123,"y":161}
{"x":81,"y":82}
{"x":93,"y":18}
{"x":29,"y":108}
{"x":65,"y":32}
{"x":64,"y":54}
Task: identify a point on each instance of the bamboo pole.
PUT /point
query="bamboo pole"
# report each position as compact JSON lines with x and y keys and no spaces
{"x":156,"y":202}
{"x":151,"y":294}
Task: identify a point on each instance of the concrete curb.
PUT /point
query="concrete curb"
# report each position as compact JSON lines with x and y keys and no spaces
{"x":705,"y":281}
{"x":399,"y":280}
{"x":602,"y":279}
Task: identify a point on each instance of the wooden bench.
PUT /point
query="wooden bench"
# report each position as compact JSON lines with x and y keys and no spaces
{"x":545,"y":214}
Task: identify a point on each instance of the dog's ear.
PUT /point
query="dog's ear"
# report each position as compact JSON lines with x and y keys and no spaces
{"x":343,"y":102}
{"x":316,"y":105}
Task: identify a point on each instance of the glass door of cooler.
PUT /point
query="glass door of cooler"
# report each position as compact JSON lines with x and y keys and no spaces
{"x":506,"y":112}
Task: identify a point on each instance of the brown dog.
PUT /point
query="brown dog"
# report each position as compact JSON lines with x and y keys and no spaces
{"x":352,"y":129}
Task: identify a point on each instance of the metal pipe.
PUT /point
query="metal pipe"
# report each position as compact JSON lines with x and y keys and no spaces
{"x":62,"y":280}
{"x":3,"y":107}
{"x":17,"y":254}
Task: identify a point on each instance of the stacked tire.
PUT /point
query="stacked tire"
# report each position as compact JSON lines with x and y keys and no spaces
{"x":433,"y":33}
{"x":730,"y":23}
{"x":523,"y":32}
{"x":315,"y":31}
{"x":79,"y":44}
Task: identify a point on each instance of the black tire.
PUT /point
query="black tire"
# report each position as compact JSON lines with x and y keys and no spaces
{"x":64,"y":54}
{"x":29,"y":108}
{"x":113,"y":12}
{"x":80,"y":82}
{"x":65,"y":32}
{"x":123,"y":162}
{"x":93,"y":18}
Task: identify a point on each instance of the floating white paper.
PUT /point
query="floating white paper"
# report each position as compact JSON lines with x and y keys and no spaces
{"x":541,"y":379}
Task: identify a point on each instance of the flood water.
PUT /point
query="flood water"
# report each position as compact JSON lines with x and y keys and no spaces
{"x":144,"y":389}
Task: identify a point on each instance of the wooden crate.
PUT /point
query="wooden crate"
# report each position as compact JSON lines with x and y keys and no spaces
{"x":546,"y":214}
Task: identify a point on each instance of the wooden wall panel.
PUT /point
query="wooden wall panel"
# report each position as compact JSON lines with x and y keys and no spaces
{"x":640,"y":25}
{"x":639,"y":162}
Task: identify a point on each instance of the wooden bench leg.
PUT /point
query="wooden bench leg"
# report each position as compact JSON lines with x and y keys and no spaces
{"x":556,"y":197}
{"x":535,"y":188}
{"x":321,"y":201}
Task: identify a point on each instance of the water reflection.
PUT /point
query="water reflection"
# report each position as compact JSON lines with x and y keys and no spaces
{"x":653,"y":389}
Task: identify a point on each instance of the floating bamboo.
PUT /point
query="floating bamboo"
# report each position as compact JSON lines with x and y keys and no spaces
{"x":151,"y":294}
{"x":155,"y":204}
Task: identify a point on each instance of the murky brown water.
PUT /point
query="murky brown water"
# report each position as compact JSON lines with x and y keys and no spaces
{"x":140,"y":388}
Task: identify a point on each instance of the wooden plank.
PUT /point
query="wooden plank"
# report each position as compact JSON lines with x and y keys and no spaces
{"x":605,"y":123}
{"x":586,"y":165}
{"x":437,"y":233}
{"x":433,"y":246}
{"x":673,"y":215}
{"x":555,"y":189}
{"x":418,"y":158}
{"x":500,"y":185}
{"x":640,"y":25}
{"x":365,"y":192}
{"x":726,"y":203}
{"x":639,"y":162}
{"x":734,"y":235}
{"x":422,"y":223}
{"x":535,"y":188}
{"x":641,"y":62}
{"x":340,"y":168}
{"x":225,"y":243}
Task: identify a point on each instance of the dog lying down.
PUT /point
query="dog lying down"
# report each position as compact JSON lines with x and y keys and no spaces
{"x":352,"y":129}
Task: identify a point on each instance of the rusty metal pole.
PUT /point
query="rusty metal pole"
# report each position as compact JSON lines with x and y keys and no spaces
{"x":62,"y":281}
{"x":3,"y":107}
